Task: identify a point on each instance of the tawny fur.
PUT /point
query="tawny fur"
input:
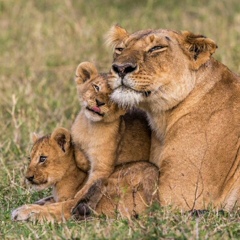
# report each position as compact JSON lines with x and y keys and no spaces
{"x":129,"y":191}
{"x":193,"y":107}
{"x":102,"y":130}
{"x":59,"y":170}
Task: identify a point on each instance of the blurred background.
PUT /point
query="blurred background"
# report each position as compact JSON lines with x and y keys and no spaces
{"x":42,"y":42}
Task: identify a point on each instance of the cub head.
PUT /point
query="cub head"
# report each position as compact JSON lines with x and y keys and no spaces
{"x":94,"y":94}
{"x":49,"y":159}
{"x":156,"y":65}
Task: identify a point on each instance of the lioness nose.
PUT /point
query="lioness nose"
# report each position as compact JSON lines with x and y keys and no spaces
{"x":123,"y":69}
{"x":30,"y":178}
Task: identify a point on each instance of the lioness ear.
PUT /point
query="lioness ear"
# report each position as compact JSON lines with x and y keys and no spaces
{"x":199,"y":48}
{"x":35,"y":137}
{"x":62,"y":137}
{"x":85,"y":71}
{"x":115,"y":35}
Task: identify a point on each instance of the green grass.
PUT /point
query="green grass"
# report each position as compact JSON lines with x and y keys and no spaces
{"x":41,"y":43}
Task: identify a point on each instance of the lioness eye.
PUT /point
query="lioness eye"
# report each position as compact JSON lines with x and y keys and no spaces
{"x":42,"y":159}
{"x":96,"y":87}
{"x":118,"y":50}
{"x":156,"y":48}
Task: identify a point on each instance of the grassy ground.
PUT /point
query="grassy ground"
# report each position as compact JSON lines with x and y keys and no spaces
{"x":41,"y":43}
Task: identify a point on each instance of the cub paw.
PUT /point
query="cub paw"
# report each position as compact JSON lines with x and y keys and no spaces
{"x":24,"y":213}
{"x":81,"y":211}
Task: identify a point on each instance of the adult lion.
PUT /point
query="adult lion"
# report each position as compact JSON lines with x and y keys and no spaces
{"x":193,"y":106}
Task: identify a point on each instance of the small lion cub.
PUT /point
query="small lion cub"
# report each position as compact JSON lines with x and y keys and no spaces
{"x":53,"y":165}
{"x":103,"y":131}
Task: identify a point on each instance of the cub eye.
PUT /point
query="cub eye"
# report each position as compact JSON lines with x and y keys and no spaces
{"x":157,"y":48}
{"x":42,"y":159}
{"x":118,"y":50}
{"x":96,"y":87}
{"x":29,"y":159}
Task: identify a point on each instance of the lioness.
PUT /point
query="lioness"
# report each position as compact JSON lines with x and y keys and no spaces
{"x":103,"y":132}
{"x":193,"y":105}
{"x":53,"y":165}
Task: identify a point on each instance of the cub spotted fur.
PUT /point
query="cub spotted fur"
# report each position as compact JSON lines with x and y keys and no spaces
{"x":193,"y":106}
{"x":103,"y":132}
{"x":53,"y":165}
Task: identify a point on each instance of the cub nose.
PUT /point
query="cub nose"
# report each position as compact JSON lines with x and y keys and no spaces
{"x":123,"y":69}
{"x":30,"y":178}
{"x":99,"y":103}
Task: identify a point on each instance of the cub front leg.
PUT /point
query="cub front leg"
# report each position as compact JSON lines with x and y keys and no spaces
{"x":88,"y":203}
{"x":23,"y":213}
{"x":58,"y":212}
{"x":102,"y":158}
{"x":88,"y":197}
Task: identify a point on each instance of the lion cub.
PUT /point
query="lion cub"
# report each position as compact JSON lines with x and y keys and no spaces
{"x":104,"y":132}
{"x":53,"y":165}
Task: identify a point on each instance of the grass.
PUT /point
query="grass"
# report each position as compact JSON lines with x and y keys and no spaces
{"x":41,"y":43}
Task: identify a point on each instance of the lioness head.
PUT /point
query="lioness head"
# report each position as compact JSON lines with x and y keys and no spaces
{"x":49,"y":160}
{"x":152,"y":65}
{"x":94,"y":94}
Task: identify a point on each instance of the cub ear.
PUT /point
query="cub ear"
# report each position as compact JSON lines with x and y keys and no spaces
{"x":62,"y":137}
{"x":35,"y":137}
{"x":199,"y":47}
{"x":116,"y":35}
{"x":85,"y":71}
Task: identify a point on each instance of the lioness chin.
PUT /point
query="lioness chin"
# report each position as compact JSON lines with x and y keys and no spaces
{"x":193,"y":106}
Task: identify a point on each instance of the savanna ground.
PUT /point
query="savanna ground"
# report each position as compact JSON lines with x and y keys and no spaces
{"x":41,"y":43}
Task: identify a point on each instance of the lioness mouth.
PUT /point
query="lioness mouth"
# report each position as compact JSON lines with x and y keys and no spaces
{"x":145,"y":93}
{"x":97,"y":112}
